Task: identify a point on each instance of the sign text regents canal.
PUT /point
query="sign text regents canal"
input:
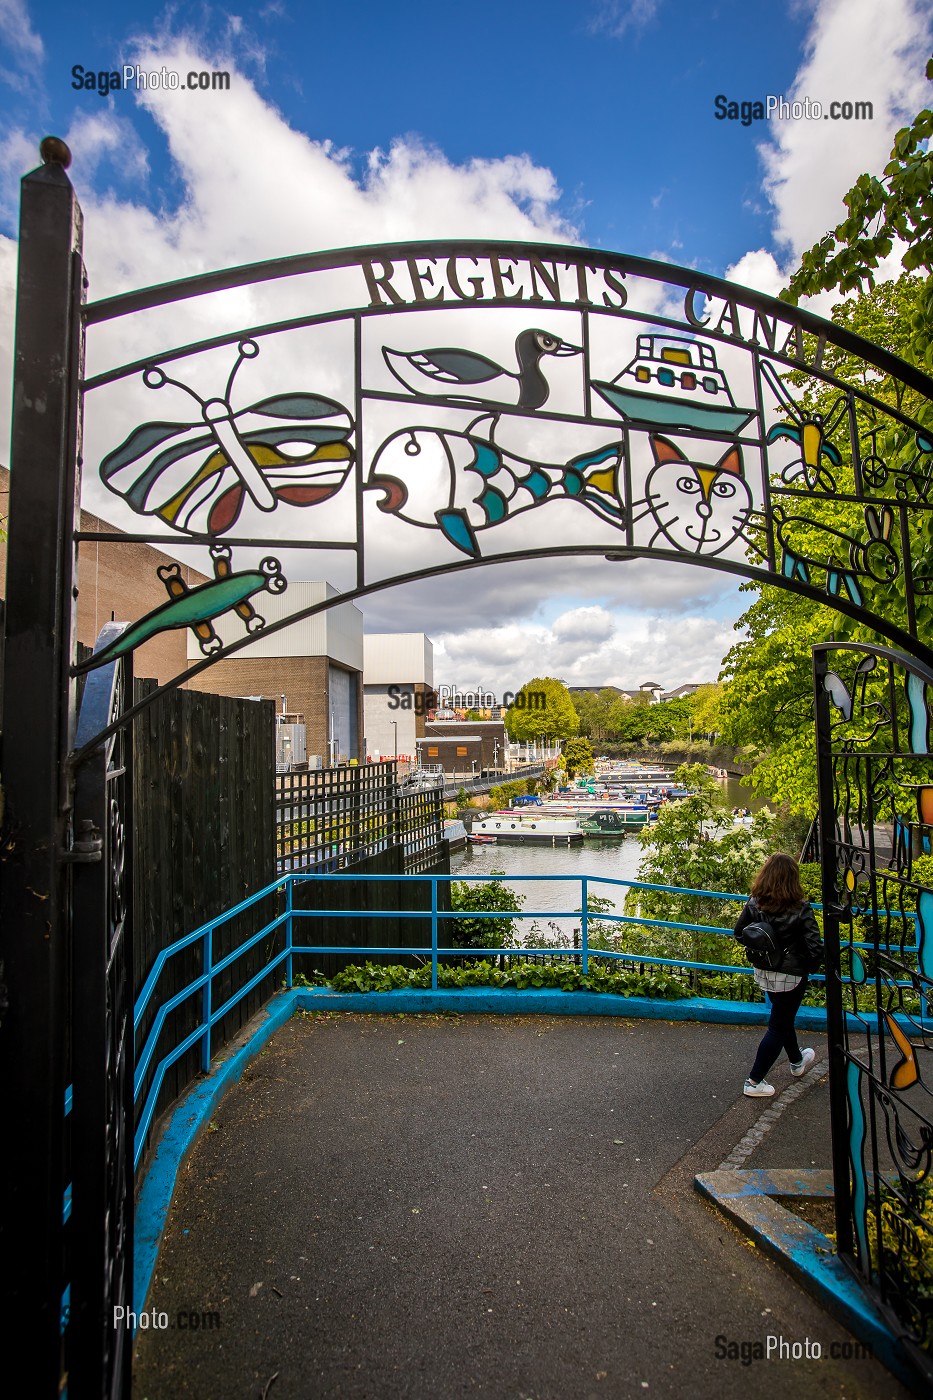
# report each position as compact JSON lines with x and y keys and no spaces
{"x":536,"y":281}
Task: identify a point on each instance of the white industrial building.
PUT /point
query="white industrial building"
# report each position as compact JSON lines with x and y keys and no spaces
{"x":398,"y":689}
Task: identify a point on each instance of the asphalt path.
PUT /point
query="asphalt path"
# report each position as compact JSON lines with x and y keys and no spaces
{"x":435,"y":1207}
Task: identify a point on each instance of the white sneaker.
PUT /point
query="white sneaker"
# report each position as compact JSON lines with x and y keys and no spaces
{"x":761,"y":1090}
{"x":803,"y":1064}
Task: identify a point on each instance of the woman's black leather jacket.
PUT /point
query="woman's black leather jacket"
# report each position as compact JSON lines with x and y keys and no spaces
{"x":797,"y":931}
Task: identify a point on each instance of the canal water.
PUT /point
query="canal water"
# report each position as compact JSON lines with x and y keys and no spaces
{"x":610,"y":860}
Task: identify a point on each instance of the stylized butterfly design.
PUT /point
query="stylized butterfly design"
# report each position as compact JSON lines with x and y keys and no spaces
{"x":197,"y":476}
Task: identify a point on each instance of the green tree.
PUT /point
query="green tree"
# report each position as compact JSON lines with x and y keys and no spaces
{"x":594,"y":711}
{"x":694,"y":845}
{"x":704,"y":706}
{"x":669,"y":719}
{"x":542,"y":709}
{"x":578,"y":757}
{"x":767,"y":703}
{"x":630,"y":721}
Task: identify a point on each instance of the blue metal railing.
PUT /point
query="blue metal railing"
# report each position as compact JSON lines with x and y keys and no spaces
{"x":211,"y":1014}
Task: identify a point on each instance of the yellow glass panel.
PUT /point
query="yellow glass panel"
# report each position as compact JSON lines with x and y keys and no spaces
{"x":676,"y":357}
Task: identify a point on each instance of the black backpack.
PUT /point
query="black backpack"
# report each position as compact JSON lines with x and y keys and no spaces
{"x":761,"y":946}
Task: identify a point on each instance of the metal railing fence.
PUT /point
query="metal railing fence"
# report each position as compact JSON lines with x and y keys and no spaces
{"x":153,"y":1059}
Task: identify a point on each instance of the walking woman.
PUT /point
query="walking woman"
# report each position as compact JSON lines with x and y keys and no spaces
{"x":778,"y":898}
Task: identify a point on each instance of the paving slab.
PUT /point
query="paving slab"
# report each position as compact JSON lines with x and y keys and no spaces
{"x":430,"y":1207}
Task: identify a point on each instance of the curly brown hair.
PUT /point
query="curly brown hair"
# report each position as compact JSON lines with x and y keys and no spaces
{"x":777,"y":885}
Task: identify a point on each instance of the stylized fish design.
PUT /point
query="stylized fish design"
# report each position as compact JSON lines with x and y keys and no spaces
{"x":462,"y":484}
{"x":196,"y":476}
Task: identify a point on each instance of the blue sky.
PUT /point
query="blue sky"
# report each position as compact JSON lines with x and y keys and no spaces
{"x":586,"y":120}
{"x":620,"y":112}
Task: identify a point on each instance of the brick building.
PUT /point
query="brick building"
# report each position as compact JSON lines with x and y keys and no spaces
{"x":316,"y":664}
{"x":118,"y":581}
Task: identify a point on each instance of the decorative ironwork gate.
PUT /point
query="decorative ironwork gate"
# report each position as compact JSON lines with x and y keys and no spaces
{"x":99,"y":1254}
{"x":391,"y":414}
{"x":876,"y":827}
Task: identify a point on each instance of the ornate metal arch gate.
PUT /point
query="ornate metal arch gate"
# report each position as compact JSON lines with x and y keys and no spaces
{"x":377,"y":416}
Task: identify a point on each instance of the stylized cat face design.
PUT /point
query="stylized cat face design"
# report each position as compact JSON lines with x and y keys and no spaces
{"x":699,"y":509}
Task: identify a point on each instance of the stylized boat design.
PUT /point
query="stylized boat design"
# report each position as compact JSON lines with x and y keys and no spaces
{"x":675,"y":383}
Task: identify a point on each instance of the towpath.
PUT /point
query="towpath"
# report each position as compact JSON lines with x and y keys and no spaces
{"x":429,"y":1208}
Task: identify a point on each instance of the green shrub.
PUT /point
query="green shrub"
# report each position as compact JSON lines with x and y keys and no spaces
{"x":522,"y":976}
{"x":485,"y":896}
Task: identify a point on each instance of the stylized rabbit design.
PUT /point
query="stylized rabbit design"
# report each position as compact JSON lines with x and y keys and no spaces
{"x":873,"y":557}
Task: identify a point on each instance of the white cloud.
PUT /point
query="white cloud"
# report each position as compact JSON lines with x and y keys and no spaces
{"x":616,"y":17}
{"x":585,"y":625}
{"x":17,"y":33}
{"x":255,"y":188}
{"x":503,"y":658}
{"x":758,"y":270}
{"x":856,"y":50}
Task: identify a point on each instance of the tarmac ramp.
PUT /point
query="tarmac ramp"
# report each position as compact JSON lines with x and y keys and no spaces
{"x":435,"y":1207}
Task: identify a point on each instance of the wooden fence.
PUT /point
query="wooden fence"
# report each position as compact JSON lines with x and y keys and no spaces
{"x":204,"y":840}
{"x":214,"y":823}
{"x":360,"y":931}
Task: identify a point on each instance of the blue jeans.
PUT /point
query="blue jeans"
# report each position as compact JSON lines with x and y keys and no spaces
{"x":780,"y":1034}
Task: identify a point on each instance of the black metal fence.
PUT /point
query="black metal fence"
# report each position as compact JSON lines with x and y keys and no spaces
{"x":335,"y":818}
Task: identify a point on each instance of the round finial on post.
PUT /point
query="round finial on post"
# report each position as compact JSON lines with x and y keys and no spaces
{"x":54,"y":151}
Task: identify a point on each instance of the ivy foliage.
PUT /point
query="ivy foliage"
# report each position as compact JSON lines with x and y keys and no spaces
{"x":484,"y":897}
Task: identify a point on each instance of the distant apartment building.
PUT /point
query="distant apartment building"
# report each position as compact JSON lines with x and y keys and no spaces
{"x":312,"y":668}
{"x":651,"y":691}
{"x":398,"y":691}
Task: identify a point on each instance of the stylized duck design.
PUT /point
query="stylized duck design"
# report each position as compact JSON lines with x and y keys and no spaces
{"x":436,"y":371}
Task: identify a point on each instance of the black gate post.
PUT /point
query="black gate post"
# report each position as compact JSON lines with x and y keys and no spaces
{"x":38,"y":715}
{"x":835,"y":1010}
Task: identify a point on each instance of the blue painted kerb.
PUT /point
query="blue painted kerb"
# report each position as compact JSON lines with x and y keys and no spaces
{"x":178,"y":1137}
{"x":807,"y":1255}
